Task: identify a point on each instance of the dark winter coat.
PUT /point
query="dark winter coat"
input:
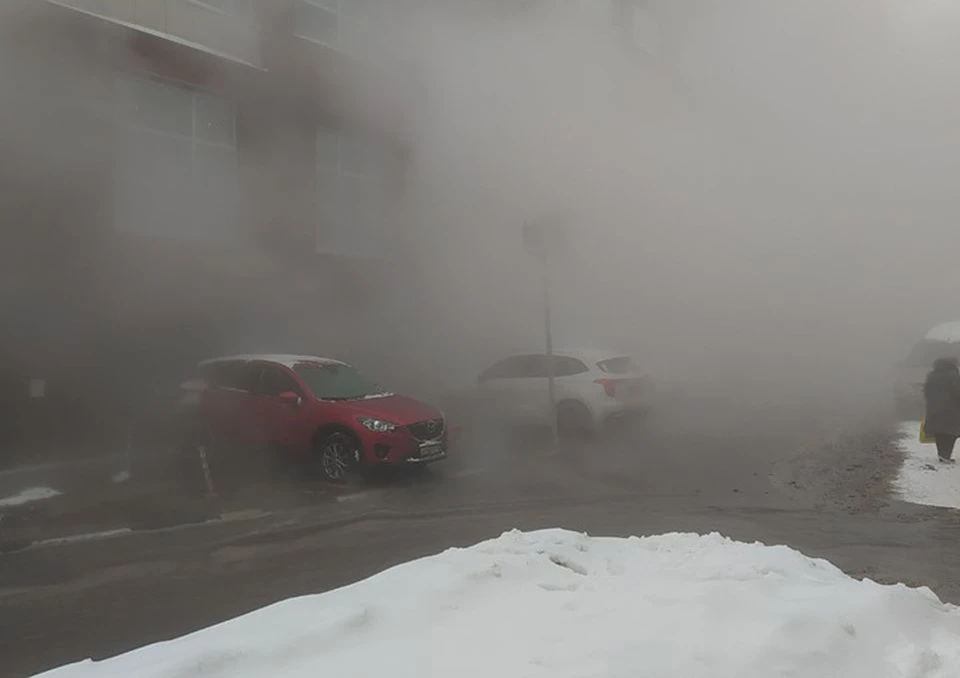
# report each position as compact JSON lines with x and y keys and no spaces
{"x":942,"y":392}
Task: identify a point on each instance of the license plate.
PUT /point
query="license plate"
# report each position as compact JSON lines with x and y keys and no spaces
{"x":428,"y":451}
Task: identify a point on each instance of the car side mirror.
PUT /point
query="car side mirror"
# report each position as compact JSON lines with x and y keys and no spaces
{"x":290,"y":398}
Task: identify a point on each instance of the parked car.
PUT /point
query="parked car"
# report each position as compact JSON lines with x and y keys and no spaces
{"x":943,"y":341}
{"x":319,"y":412}
{"x":591,"y":388}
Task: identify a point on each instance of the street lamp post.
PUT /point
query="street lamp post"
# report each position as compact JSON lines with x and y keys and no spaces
{"x":543,"y":239}
{"x":548,"y":335}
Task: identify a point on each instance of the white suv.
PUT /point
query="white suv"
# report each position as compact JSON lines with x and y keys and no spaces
{"x":591,"y":387}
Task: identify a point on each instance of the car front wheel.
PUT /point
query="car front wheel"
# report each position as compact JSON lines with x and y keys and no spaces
{"x":338,"y":454}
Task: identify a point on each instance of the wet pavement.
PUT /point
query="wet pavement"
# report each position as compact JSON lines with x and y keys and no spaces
{"x":808,"y":483}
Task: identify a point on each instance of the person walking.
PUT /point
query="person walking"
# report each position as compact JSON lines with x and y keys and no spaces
{"x":942,"y":393}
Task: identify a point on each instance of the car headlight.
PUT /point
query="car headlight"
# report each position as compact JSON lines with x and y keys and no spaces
{"x":378,"y":425}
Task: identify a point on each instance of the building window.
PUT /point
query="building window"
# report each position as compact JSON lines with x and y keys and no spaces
{"x":351,"y":195}
{"x":317,"y":20}
{"x":339,"y":24}
{"x":180,"y":114}
{"x":179,"y":166}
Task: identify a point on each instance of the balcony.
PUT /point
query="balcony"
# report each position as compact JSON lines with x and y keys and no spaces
{"x":224,"y":28}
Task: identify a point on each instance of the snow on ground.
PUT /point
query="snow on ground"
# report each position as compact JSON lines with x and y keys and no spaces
{"x":30,"y":495}
{"x":557,"y":604}
{"x":922,"y":478}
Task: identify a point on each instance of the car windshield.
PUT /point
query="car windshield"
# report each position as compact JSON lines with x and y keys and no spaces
{"x":620,"y":365}
{"x":336,"y":381}
{"x":926,"y":352}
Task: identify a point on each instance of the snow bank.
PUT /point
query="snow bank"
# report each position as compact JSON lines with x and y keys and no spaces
{"x":556,"y":604}
{"x":922,"y":478}
{"x":27,"y":496}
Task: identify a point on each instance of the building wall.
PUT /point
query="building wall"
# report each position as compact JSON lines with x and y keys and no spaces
{"x":54,"y":198}
{"x":170,"y":210}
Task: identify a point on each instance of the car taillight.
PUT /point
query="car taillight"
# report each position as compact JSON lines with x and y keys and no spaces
{"x":609,"y":386}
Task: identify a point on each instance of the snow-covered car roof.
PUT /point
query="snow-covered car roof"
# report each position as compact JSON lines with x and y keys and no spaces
{"x":587,"y":355}
{"x":286,"y":360}
{"x":590,"y":354}
{"x":945,"y":332}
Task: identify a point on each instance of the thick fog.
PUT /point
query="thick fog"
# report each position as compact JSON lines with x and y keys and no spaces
{"x":764,"y":203}
{"x":760,"y":201}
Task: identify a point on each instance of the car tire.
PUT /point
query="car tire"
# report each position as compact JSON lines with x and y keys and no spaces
{"x":337,"y":456}
{"x":574,"y":421}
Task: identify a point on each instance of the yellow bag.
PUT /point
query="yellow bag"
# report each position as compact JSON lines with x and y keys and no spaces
{"x":924,"y":438}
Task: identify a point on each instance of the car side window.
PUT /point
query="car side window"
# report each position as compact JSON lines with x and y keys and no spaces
{"x":564,"y":366}
{"x":515,"y":367}
{"x":500,"y":370}
{"x":274,"y":381}
{"x":235,"y":376}
{"x":536,"y":367}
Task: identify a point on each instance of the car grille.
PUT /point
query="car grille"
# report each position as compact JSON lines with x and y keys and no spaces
{"x":427,"y":430}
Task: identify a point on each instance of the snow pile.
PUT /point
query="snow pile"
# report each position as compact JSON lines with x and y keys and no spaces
{"x":31,"y":495}
{"x":922,"y":478}
{"x":558,"y":604}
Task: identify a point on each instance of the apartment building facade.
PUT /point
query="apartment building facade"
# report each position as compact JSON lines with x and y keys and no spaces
{"x":182,"y":176}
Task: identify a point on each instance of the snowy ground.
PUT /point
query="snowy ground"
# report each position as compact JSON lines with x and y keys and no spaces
{"x":561,"y":604}
{"x":29,"y":495}
{"x":922,"y":478}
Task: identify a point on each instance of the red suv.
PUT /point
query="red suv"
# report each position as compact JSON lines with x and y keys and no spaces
{"x":318,"y":411}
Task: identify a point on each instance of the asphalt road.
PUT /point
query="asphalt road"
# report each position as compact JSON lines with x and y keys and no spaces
{"x":65,"y":602}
